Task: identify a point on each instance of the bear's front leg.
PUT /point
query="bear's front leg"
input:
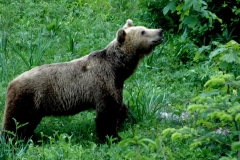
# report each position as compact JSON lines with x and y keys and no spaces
{"x":123,"y":113}
{"x":106,"y":120}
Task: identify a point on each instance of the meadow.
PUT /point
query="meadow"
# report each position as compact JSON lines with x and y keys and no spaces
{"x":178,"y":96}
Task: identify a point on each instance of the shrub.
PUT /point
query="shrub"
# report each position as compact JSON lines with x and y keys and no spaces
{"x":217,"y":108}
{"x":205,"y":18}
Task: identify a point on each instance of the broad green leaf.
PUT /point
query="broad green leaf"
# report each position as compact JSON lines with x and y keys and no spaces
{"x":216,"y":43}
{"x":179,"y":7}
{"x":176,"y":136}
{"x":204,"y":48}
{"x":232,"y":43}
{"x":180,"y":26}
{"x":197,"y":6}
{"x":168,"y":130}
{"x":186,"y":13}
{"x":203,"y":2}
{"x":204,"y":13}
{"x":200,"y":51}
{"x":188,"y":4}
{"x":236,"y":146}
{"x":191,"y":21}
{"x":179,"y":12}
{"x":214,"y":16}
{"x":237,"y":117}
{"x":231,"y":57}
{"x":225,"y":65}
{"x":197,"y":55}
{"x":195,"y":144}
{"x":215,"y":82}
{"x":226,"y":117}
{"x":171,"y":6}
{"x":210,"y":20}
{"x":52,"y":25}
{"x":217,"y":52}
{"x":220,"y":20}
{"x":182,"y":17}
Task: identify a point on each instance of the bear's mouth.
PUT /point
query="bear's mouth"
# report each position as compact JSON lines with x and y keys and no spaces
{"x":159,"y":41}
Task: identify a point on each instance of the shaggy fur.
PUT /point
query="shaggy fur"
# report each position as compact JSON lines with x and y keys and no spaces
{"x":93,"y":81}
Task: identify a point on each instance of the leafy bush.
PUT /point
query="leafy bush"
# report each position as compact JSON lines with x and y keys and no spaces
{"x":206,"y":19}
{"x":182,"y":49}
{"x":217,"y":108}
{"x":227,"y":57}
{"x":156,"y":148}
{"x":155,"y":17}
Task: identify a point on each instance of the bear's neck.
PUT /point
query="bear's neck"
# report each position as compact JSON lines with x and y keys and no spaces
{"x":124,"y":62}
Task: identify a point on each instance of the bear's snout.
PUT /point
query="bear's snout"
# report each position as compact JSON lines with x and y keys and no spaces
{"x":159,"y":39}
{"x":161,"y":32}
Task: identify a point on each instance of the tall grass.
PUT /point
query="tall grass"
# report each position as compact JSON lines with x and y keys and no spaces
{"x":3,"y":56}
{"x":144,"y":98}
{"x":35,"y":51}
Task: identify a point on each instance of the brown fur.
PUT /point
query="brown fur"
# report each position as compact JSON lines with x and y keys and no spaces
{"x":93,"y":81}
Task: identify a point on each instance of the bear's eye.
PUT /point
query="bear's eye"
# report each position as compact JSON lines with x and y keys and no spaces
{"x":143,"y":32}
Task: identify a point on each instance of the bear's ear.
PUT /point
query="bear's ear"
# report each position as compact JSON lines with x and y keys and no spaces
{"x":121,"y":34}
{"x":129,"y":23}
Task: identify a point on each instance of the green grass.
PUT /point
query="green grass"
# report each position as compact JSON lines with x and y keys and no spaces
{"x":35,"y":32}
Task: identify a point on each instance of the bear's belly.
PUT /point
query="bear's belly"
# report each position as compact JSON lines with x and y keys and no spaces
{"x":67,"y":110}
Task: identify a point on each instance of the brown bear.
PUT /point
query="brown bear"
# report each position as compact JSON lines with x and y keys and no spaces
{"x":94,"y":81}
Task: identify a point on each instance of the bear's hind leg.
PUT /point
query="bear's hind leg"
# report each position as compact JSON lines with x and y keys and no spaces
{"x":31,"y":124}
{"x":24,"y":128}
{"x":11,"y":120}
{"x":21,"y":125}
{"x":8,"y":126}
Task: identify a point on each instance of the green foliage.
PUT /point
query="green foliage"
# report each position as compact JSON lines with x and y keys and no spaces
{"x":217,"y":115}
{"x":236,"y":145}
{"x":217,"y":108}
{"x":35,"y":51}
{"x":206,"y":19}
{"x":154,"y":15}
{"x":13,"y":148}
{"x":226,"y":36}
{"x":156,"y":148}
{"x":3,"y":56}
{"x":181,"y":48}
{"x":227,"y":57}
{"x":190,"y":11}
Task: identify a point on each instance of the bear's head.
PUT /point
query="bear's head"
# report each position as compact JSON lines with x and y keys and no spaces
{"x":139,"y":39}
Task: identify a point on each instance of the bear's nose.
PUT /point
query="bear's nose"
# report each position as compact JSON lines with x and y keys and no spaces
{"x":161,"y":32}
